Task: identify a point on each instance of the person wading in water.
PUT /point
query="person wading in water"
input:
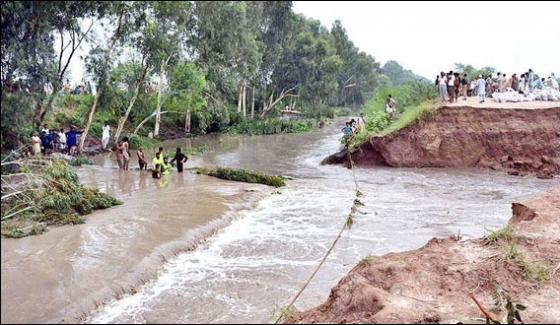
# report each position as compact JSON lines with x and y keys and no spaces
{"x":180,"y":158}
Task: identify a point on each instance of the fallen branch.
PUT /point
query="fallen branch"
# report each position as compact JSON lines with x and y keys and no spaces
{"x":486,"y":313}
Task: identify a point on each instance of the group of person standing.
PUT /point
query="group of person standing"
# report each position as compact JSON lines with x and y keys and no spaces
{"x":352,"y":127}
{"x":161,"y":163}
{"x":49,"y":141}
{"x":451,"y":84}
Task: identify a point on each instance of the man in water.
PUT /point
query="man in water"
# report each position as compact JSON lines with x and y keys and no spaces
{"x":156,"y":172}
{"x":481,"y":88}
{"x":180,"y":158}
{"x":142,"y":159}
{"x":165,"y":167}
{"x":158,"y":160}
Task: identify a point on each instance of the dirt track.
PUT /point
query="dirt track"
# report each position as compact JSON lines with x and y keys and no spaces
{"x":490,"y":103}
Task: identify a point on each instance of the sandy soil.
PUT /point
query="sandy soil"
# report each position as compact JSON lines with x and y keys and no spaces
{"x":432,"y":284}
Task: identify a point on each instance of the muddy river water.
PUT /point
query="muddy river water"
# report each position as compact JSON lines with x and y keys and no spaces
{"x":191,"y":248}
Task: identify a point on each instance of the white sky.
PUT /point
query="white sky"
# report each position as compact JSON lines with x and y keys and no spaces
{"x":429,"y":37}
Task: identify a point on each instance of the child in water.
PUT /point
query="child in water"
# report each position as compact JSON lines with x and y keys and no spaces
{"x":156,"y":172}
{"x":165,"y":166}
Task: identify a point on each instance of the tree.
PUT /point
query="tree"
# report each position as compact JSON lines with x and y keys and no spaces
{"x":99,"y":65}
{"x":398,"y":75}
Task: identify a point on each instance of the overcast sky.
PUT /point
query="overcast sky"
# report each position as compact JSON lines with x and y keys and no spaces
{"x":429,"y":37}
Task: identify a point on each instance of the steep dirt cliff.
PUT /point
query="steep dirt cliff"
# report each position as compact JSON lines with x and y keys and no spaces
{"x":519,"y":141}
{"x":432,"y":284}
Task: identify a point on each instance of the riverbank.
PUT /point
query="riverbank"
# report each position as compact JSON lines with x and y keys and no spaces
{"x":519,"y":138}
{"x":432,"y":284}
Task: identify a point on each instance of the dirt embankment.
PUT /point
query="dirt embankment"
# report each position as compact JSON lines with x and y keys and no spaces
{"x":432,"y":284}
{"x":519,"y":141}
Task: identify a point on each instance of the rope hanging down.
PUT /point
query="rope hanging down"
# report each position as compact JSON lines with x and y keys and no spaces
{"x":347,"y":224}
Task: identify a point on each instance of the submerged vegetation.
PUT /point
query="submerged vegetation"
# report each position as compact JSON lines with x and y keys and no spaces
{"x":242,"y":175}
{"x":49,"y":194}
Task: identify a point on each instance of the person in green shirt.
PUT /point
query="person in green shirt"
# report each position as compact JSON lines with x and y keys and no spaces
{"x":165,"y":166}
{"x":158,"y":159}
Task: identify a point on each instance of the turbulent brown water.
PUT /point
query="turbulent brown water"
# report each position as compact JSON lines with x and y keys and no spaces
{"x":259,"y":248}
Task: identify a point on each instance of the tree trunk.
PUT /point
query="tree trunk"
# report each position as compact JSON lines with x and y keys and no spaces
{"x":124,"y":118}
{"x":244,"y":100}
{"x":239,"y":98}
{"x":252,"y":103}
{"x":98,"y":93}
{"x":160,"y":90}
{"x":89,"y":121}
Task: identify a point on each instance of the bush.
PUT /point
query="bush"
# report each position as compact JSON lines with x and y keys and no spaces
{"x":59,"y":200}
{"x":136,"y":141}
{"x":270,"y":126}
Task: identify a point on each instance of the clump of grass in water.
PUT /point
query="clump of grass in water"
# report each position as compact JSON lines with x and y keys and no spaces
{"x":60,"y":200}
{"x":196,"y":150}
{"x":79,"y":161}
{"x":241,"y":175}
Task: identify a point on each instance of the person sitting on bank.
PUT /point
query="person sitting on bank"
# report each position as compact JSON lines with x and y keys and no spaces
{"x":347,"y":131}
{"x":180,"y":158}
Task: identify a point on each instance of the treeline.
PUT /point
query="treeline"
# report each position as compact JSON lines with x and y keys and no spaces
{"x":151,"y":61}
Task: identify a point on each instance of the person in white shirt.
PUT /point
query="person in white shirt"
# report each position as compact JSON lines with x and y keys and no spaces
{"x":451,"y":86}
{"x":361,"y":124}
{"x":106,"y":135}
{"x":62,"y":140}
{"x":442,"y":87}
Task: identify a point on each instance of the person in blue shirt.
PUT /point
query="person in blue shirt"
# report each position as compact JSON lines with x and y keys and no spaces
{"x":347,"y":131}
{"x":72,"y":139}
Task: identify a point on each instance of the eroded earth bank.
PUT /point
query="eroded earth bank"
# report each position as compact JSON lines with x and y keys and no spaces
{"x":517,"y":140}
{"x":432,"y":284}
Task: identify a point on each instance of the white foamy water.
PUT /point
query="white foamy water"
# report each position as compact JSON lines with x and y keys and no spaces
{"x":254,"y":265}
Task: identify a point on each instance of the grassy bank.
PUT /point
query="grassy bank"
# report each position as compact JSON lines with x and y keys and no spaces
{"x":413,"y":100}
{"x":47,"y":194}
{"x":241,"y":175}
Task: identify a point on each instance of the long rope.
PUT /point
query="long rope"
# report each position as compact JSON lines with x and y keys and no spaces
{"x":347,"y":224}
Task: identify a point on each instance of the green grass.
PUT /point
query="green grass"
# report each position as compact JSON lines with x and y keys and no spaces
{"x":137,"y":141}
{"x":79,"y":161}
{"x":196,"y":150}
{"x":506,"y":234}
{"x":270,"y":126}
{"x":241,"y":175}
{"x":410,"y":116}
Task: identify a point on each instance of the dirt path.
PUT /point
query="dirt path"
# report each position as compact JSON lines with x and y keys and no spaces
{"x":490,"y":103}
